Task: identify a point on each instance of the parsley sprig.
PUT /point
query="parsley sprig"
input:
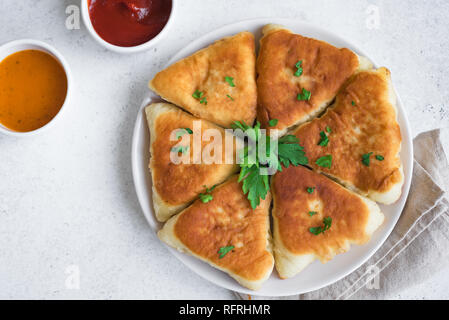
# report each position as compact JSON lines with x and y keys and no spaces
{"x":254,"y":174}
{"x":310,"y":190}
{"x":299,"y":70}
{"x":207,"y":197}
{"x":224,"y":251}
{"x":324,"y":162}
{"x":321,"y":229}
{"x":230,"y":81}
{"x":324,"y":141}
{"x":180,"y":149}
{"x":199,"y":95}
{"x":183,"y":131}
{"x":304,"y":95}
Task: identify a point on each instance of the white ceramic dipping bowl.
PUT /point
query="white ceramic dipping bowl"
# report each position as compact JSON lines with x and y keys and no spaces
{"x":142,"y":47}
{"x":28,"y":44}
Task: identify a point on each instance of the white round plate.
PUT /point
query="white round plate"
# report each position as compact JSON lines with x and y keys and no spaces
{"x":316,"y":275}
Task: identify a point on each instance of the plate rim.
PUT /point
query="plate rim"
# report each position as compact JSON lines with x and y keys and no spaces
{"x":406,"y":134}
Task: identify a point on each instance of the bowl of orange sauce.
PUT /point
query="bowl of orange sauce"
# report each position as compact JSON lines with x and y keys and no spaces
{"x":35,"y":86}
{"x":128,"y":26}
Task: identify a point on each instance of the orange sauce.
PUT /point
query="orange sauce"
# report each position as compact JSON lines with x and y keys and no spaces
{"x":33,"y":88}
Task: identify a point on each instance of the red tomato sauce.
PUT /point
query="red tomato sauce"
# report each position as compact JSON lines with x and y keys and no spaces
{"x":129,"y":23}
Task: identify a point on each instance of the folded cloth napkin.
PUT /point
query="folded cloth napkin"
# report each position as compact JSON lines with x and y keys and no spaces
{"x":417,"y":247}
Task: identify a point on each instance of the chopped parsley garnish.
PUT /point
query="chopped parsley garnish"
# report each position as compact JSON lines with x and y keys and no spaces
{"x":353,"y":103}
{"x":206,"y":197}
{"x":230,"y":80}
{"x":321,"y":229}
{"x":304,"y":96}
{"x":182,"y":132}
{"x":254,"y":173}
{"x":230,"y":97}
{"x":312,"y":213}
{"x":366,"y":159}
{"x":198,"y":94}
{"x":380,"y":158}
{"x":225,"y":250}
{"x":324,"y":141}
{"x":328,"y":129}
{"x":299,"y":69}
{"x":310,"y":189}
{"x":325,"y":162}
{"x":180,"y":149}
{"x":273,"y":122}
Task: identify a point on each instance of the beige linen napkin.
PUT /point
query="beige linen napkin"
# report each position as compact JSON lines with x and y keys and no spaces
{"x":418,"y":245}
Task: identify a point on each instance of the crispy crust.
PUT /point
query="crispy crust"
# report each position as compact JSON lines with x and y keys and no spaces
{"x":354,"y":219}
{"x":325,"y":69}
{"x":205,"y":71}
{"x":177,"y":185}
{"x":203,"y":228}
{"x":368,"y":126}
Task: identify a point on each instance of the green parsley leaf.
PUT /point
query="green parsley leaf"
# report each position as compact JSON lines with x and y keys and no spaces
{"x":205,"y":198}
{"x":316,"y":230}
{"x":182,"y":132}
{"x":291,"y":152}
{"x":180,"y":149}
{"x":230,"y":97}
{"x":299,"y":70}
{"x":312,"y":213}
{"x":288,"y":139}
{"x":240,"y":125}
{"x":325,"y":162}
{"x":225,"y":250}
{"x":230,"y":80}
{"x":310,"y":189}
{"x":328,"y":129}
{"x":197,"y":94}
{"x":380,"y":158}
{"x":254,"y":185}
{"x":327,"y":224}
{"x":304,"y":96}
{"x":204,"y":100}
{"x":273,"y":122}
{"x":324,"y":141}
{"x":366,"y":159}
{"x":353,"y":103}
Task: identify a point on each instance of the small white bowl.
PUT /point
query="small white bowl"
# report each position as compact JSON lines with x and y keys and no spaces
{"x":29,"y":44}
{"x":142,"y":47}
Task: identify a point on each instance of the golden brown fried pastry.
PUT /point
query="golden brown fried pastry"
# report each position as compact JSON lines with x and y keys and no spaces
{"x":324,"y":69}
{"x":226,"y":233}
{"x":304,"y":202}
{"x":217,"y":83}
{"x":364,"y":138}
{"x":176,"y":184}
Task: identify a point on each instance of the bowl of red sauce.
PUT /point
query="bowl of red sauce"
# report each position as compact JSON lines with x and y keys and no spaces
{"x":128,"y":26}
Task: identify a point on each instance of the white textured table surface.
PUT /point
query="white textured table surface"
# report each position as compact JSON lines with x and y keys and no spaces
{"x":67,"y":199}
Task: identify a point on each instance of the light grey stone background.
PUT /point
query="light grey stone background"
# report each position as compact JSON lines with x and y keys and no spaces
{"x":67,"y":199}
